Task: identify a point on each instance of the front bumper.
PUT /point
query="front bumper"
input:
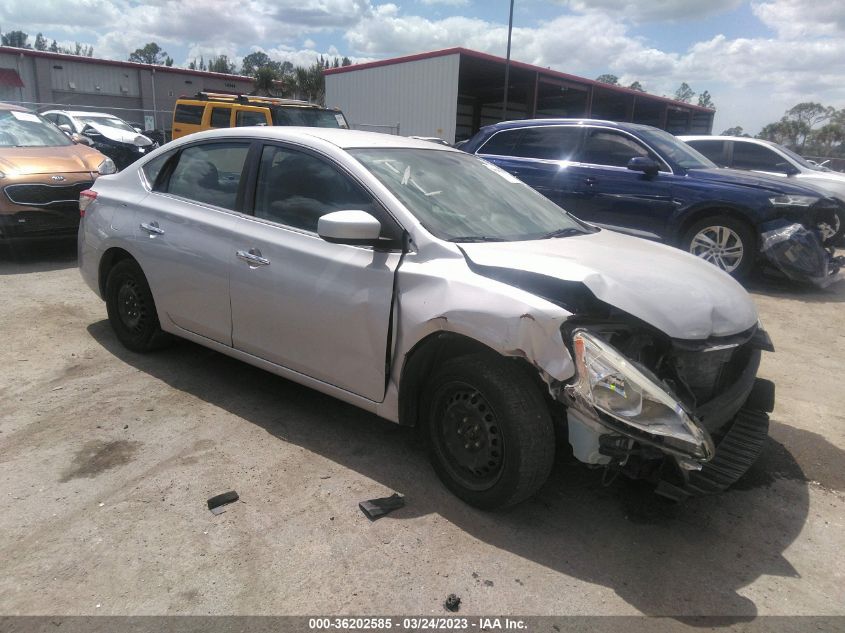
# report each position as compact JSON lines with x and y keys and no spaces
{"x":36,"y":206}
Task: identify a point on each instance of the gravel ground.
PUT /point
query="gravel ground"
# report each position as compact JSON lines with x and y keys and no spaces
{"x":107,"y":458}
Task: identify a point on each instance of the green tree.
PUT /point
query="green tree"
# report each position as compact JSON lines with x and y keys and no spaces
{"x":54,"y":47}
{"x":684,"y":93}
{"x":150,"y":53}
{"x":310,"y":82}
{"x":221,"y":64}
{"x":18,"y":39}
{"x":607,"y":78}
{"x":254,"y":61}
{"x":266,"y":78}
{"x":705,"y":101}
{"x":346,"y":61}
{"x":637,"y":86}
{"x":734,"y":131}
{"x":40,"y":43}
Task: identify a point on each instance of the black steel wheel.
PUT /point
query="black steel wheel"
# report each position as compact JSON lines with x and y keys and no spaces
{"x":131,"y":309}
{"x":491,"y":435}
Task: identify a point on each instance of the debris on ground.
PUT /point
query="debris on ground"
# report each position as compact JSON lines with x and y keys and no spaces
{"x":377,"y":508}
{"x":215,"y":504}
{"x":453,"y":602}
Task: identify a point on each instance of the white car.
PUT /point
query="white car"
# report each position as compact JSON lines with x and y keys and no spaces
{"x":108,"y":134}
{"x":739,"y":152}
{"x":434,"y":289}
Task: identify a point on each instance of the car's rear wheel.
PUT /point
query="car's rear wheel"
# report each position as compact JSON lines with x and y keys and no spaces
{"x":491,"y":436}
{"x":131,"y":309}
{"x":723,"y":241}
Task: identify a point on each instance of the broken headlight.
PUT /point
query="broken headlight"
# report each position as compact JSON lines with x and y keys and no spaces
{"x":615,"y":386}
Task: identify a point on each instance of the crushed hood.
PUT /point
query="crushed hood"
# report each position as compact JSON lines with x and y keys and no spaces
{"x":678,"y":293}
{"x":120,"y":136}
{"x":49,"y":160}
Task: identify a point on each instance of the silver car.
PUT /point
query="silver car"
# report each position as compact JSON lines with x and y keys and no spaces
{"x":435,"y":290}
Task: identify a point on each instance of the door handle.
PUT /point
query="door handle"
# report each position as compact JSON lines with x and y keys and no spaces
{"x":152,"y":228}
{"x":253,"y":257}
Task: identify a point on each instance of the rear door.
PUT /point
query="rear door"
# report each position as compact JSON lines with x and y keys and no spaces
{"x":754,"y":157}
{"x":184,"y":230}
{"x":317,"y":308}
{"x":540,"y":157}
{"x":610,"y":194}
{"x":187,"y":118}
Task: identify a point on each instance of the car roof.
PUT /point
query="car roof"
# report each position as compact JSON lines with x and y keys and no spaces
{"x":105,"y":115}
{"x":344,"y":139}
{"x":520,"y":123}
{"x":12,"y":106}
{"x":705,"y":137}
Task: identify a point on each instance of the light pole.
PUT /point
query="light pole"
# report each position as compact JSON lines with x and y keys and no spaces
{"x":507,"y":66}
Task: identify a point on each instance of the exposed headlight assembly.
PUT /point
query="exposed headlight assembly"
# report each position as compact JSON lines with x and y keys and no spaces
{"x":107,"y":167}
{"x":793,"y":201}
{"x":615,"y":386}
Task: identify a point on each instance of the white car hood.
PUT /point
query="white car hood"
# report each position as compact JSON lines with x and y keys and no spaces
{"x":679,"y":294}
{"x":121,"y":136}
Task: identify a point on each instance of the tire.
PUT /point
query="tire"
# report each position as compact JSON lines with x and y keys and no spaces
{"x":131,"y":309}
{"x":832,"y":234}
{"x":491,"y":436}
{"x":715,"y":239}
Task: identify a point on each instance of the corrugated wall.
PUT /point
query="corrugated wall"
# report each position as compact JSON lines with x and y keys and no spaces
{"x":421,"y":97}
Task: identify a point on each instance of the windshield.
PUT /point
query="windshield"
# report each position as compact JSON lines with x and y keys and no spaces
{"x":801,"y":160}
{"x":108,"y":122}
{"x":308,"y":117}
{"x":675,"y":150}
{"x":27,"y":129}
{"x":461,"y":198}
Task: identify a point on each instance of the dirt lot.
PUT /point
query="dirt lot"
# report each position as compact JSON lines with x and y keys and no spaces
{"x":107,"y":458}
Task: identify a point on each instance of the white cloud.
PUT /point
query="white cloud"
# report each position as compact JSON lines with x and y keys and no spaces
{"x":453,"y":3}
{"x":794,"y":19}
{"x":652,"y":10}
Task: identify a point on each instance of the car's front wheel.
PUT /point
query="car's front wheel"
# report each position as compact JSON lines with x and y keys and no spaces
{"x":833,"y":230}
{"x":491,"y":436}
{"x":723,"y":241}
{"x":131,"y":309}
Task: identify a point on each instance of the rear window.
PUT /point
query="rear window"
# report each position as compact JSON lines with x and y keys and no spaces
{"x":308,"y":117}
{"x":501,"y":143}
{"x":209,"y":173}
{"x":191,"y":114}
{"x":714,"y":150}
{"x":220,"y":117}
{"x":250,"y":117}
{"x":549,"y":143}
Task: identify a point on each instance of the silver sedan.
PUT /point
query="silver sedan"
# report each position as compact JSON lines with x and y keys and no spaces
{"x":435,"y":290}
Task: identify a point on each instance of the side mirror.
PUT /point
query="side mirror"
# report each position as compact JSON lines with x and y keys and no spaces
{"x":349,"y":227}
{"x":788,"y":168}
{"x":648,"y":166}
{"x":82,"y":140}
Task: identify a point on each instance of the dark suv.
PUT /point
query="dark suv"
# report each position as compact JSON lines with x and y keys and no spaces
{"x":641,"y":180}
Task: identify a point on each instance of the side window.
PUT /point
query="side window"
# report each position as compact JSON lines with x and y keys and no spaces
{"x":151,"y":169}
{"x":63,"y":120}
{"x":549,"y":143}
{"x":604,"y":147}
{"x":295,"y":189}
{"x":250,"y":117}
{"x":751,"y":156}
{"x":220,"y":117}
{"x":209,"y":173}
{"x":52,"y":117}
{"x":714,"y":150}
{"x":188,"y":114}
{"x":501,"y":143}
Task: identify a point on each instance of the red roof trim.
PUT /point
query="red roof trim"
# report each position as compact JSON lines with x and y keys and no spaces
{"x":10,"y":77}
{"x":27,"y":52}
{"x":458,"y":50}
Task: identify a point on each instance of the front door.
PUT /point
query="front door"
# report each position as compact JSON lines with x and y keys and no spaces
{"x":610,"y":194}
{"x":317,"y":308}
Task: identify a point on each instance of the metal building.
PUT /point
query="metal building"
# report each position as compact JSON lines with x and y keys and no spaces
{"x":141,"y":93}
{"x":453,"y":92}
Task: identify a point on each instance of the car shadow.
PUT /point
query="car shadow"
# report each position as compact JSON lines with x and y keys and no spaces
{"x":779,"y":287}
{"x":677,"y":560}
{"x":37,"y":256}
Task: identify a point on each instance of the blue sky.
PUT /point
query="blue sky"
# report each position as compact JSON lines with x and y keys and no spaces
{"x":756,"y":58}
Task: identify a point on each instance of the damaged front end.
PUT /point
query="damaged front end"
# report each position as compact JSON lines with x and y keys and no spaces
{"x":671,"y":411}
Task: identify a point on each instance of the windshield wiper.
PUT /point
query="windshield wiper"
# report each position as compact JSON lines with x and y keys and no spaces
{"x":478,"y":238}
{"x":566,"y":232}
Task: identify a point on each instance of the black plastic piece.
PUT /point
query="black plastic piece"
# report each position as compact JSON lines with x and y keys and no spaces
{"x":222,"y":499}
{"x":377,"y":508}
{"x":762,"y":396}
{"x":453,"y":602}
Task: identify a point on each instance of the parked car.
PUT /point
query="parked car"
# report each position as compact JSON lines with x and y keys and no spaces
{"x":775,"y":160}
{"x":435,"y":290}
{"x":41,"y":174}
{"x":210,"y":110}
{"x":643,"y":181}
{"x":109,"y":134}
